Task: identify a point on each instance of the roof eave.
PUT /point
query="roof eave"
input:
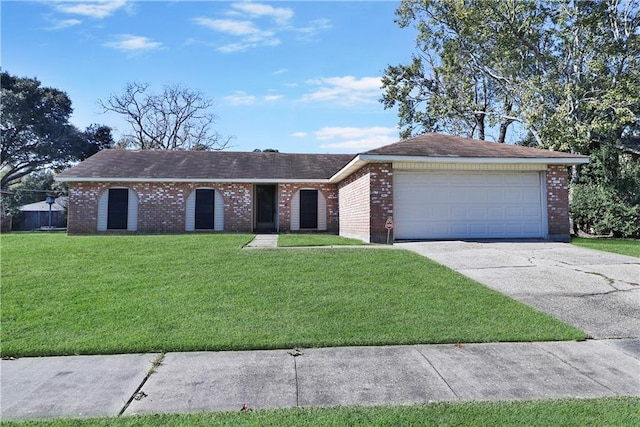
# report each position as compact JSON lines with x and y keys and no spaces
{"x":197,"y":180}
{"x":356,"y":163}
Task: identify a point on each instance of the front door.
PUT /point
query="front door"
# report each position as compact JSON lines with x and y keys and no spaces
{"x":266,"y":207}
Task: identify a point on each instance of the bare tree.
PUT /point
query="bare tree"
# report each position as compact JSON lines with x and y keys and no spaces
{"x":177,"y":118}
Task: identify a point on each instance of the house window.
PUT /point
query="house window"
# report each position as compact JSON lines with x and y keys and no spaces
{"x":309,"y":209}
{"x":118,"y":210}
{"x":204,"y":209}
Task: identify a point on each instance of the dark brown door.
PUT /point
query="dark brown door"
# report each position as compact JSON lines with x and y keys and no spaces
{"x":205,"y":200}
{"x":309,"y":209}
{"x":266,"y":207}
{"x":118,"y":209}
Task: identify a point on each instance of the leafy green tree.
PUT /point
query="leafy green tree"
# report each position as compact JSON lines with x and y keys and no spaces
{"x":33,"y":188}
{"x":93,"y":139}
{"x":35,"y":130}
{"x":565,"y":71}
{"x":463,"y":79}
{"x":606,"y":198}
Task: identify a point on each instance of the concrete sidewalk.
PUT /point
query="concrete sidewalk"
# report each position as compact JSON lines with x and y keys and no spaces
{"x":262,"y":241}
{"x":88,"y":386}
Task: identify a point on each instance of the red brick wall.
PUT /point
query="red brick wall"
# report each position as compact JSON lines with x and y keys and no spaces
{"x":381,"y":184}
{"x":161,"y":206}
{"x":353,"y":200}
{"x":286,"y":193}
{"x":82,"y":207}
{"x":558,"y":202}
{"x":366,"y":201}
{"x":238,"y":206}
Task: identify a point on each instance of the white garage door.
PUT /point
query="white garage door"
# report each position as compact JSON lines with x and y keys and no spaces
{"x":447,"y":205}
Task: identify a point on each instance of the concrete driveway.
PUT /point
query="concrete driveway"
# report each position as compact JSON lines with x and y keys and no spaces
{"x":599,"y":292}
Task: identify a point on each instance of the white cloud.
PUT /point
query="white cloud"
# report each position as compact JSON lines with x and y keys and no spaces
{"x":272,"y":98}
{"x":131,"y":43}
{"x":99,"y":9}
{"x":64,"y":23}
{"x":310,"y":31}
{"x":240,"y":98}
{"x":299,"y":134}
{"x":257,"y":25}
{"x":280,"y":71}
{"x":346,"y":90}
{"x":250,"y":35}
{"x":229,"y":26}
{"x":280,"y":14}
{"x":355,"y":138}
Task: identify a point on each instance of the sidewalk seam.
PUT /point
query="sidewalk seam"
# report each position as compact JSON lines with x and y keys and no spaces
{"x":437,"y":372}
{"x":578,"y":370}
{"x":295,"y":371}
{"x":154,"y":364}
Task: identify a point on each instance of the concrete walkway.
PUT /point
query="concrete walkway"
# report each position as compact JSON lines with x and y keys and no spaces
{"x":599,"y":292}
{"x":262,"y":241}
{"x":88,"y":386}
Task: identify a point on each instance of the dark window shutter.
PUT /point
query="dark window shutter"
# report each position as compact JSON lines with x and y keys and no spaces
{"x":118,"y":209}
{"x":205,"y":201}
{"x":308,"y":208}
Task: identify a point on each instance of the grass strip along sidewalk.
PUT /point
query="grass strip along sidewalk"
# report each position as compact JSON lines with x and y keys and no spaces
{"x":130,"y":294}
{"x":612,"y":412}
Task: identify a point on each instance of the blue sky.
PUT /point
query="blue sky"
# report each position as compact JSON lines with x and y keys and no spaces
{"x":298,"y":76}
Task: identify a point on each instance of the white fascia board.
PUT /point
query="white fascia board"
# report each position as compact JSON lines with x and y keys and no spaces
{"x":356,"y":163}
{"x":362,"y":159}
{"x":375,"y":158}
{"x":199,"y":180}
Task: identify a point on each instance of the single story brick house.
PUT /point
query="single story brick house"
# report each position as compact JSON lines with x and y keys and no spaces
{"x":433,"y":186}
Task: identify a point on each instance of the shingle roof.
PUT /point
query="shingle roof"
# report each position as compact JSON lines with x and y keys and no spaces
{"x":227,"y":165}
{"x":43,"y":206}
{"x":203,"y":165}
{"x":439,"y":145}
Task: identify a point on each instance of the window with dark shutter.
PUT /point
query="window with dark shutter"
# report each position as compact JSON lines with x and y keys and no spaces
{"x":118,"y":209}
{"x":205,"y":200}
{"x":309,"y":209}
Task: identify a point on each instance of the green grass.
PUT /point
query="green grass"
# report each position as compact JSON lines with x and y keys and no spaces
{"x":619,"y":246}
{"x":611,"y":412}
{"x":128,"y":294}
{"x":288,"y":240}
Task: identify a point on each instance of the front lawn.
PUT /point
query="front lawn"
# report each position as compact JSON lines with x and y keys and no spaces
{"x":128,"y":294}
{"x":619,"y":246}
{"x":611,"y":412}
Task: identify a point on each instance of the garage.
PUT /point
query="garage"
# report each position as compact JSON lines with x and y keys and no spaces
{"x":469,"y":204}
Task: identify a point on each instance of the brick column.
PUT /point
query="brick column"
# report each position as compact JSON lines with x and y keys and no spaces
{"x":558,"y":203}
{"x":381,"y":199}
